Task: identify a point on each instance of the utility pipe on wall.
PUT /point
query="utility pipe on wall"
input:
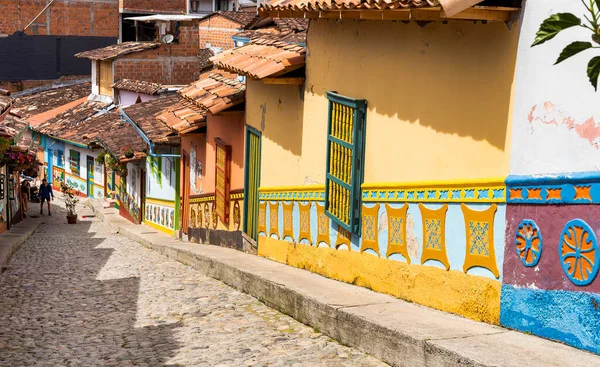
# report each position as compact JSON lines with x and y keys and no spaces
{"x":146,"y":139}
{"x":37,"y":16}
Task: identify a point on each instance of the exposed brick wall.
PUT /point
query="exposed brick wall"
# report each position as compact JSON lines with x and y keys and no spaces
{"x":217,"y":31}
{"x":153,"y":6}
{"x":63,"y":17}
{"x":176,"y":63}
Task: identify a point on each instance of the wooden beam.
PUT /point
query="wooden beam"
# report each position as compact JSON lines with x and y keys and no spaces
{"x":435,"y":13}
{"x":289,"y":80}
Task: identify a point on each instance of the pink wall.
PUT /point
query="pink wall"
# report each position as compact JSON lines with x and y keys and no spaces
{"x":230,"y":128}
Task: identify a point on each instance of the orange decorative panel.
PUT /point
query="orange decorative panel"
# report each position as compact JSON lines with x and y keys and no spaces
{"x":274,"y":219}
{"x":343,"y":238}
{"x":370,"y":229}
{"x":397,"y":231}
{"x":583,"y":193}
{"x":515,"y":193}
{"x":534,"y":194}
{"x":434,"y":235}
{"x":222,"y":180}
{"x":554,"y":194}
{"x":322,"y":226}
{"x":262,"y":217}
{"x":288,"y":226}
{"x":304,"y":234}
{"x":480,"y":239}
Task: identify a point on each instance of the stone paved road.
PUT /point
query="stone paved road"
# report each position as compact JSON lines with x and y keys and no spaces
{"x":81,"y":295}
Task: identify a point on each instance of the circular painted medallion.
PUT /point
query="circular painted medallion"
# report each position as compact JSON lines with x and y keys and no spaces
{"x":579,"y":253}
{"x":529,"y":242}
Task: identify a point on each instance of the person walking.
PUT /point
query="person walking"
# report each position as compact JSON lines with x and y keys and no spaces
{"x":45,"y":193}
{"x":25,"y":197}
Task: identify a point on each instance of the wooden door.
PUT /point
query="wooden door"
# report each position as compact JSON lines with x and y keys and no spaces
{"x":251,"y":182}
{"x":105,"y":77}
{"x":90,"y":176}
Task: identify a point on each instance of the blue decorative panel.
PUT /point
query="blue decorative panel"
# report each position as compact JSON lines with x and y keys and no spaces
{"x":528,"y":242}
{"x":579,"y":254}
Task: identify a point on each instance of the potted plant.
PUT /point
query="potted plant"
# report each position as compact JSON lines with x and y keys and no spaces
{"x":110,"y":162}
{"x":121,"y":170}
{"x":70,"y":202}
{"x":128,"y":152}
{"x":101,"y":157}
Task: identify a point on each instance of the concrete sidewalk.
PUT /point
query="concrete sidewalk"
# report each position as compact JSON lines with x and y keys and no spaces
{"x":10,"y":241}
{"x":396,"y":332}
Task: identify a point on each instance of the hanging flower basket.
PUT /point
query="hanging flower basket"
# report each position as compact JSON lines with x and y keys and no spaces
{"x":128,"y":152}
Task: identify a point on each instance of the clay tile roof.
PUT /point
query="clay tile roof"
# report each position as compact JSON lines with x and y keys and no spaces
{"x":291,"y":24}
{"x":114,"y":51}
{"x":215,"y":93}
{"x":138,"y":86}
{"x":37,"y":103}
{"x":183,"y":116}
{"x":265,"y":56}
{"x":5,"y":103}
{"x":11,"y":126}
{"x":71,"y":125}
{"x":115,"y":134}
{"x":204,"y":54}
{"x":245,"y":18}
{"x":320,"y":5}
{"x":145,"y":116}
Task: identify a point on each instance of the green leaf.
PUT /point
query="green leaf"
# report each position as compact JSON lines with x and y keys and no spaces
{"x":594,"y":71}
{"x":572,"y":50}
{"x":553,"y":25}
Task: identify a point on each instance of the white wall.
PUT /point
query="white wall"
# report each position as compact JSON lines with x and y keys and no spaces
{"x":133,"y":182}
{"x":127,"y":98}
{"x":165,"y":188}
{"x":556,"y":108}
{"x":95,"y":88}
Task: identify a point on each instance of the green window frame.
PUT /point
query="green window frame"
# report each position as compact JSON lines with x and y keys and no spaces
{"x":74,"y":159}
{"x":345,"y":157}
{"x":60,"y":158}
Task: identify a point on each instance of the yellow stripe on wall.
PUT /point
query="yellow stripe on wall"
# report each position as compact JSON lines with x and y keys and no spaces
{"x":160,"y":228}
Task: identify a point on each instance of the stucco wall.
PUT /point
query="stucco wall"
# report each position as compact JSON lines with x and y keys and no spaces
{"x":439,"y":101}
{"x":230,"y":128}
{"x":556,"y":107}
{"x":162,"y":187}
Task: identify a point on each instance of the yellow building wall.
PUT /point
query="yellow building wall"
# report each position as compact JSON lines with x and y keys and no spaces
{"x":439,"y":101}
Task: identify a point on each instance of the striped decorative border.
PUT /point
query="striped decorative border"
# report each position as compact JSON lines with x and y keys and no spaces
{"x":293,"y":193}
{"x":202,"y":199}
{"x":166,"y":203}
{"x":463,"y":191}
{"x":573,"y":188}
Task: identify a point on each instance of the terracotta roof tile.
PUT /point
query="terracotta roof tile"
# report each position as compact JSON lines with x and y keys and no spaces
{"x":68,"y":125}
{"x":265,"y":56}
{"x":183,"y":116}
{"x":138,"y":86}
{"x":204,"y":54}
{"x":37,"y":103}
{"x":245,"y":18}
{"x":11,"y":126}
{"x":320,"y":5}
{"x":5,"y":103}
{"x":216,"y":93}
{"x":145,"y":116}
{"x":114,"y":51}
{"x":285,"y":25}
{"x":115,"y":134}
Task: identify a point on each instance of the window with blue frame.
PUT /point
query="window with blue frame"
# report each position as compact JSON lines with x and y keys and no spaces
{"x":345,"y":157}
{"x":74,"y":162}
{"x":60,"y":158}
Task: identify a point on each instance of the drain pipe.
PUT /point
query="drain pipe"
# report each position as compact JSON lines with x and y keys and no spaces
{"x":125,"y":117}
{"x":37,"y":16}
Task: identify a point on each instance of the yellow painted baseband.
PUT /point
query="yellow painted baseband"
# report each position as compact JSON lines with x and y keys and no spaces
{"x":160,"y":228}
{"x":162,"y":202}
{"x":474,"y":297}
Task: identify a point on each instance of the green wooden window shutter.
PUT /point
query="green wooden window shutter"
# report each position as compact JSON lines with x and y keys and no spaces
{"x":74,"y":161}
{"x":345,"y":156}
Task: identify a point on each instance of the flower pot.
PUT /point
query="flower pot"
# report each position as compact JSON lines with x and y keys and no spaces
{"x":128,"y":155}
{"x":72,"y":219}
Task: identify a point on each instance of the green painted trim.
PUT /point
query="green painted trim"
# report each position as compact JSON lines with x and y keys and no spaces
{"x":177,"y":163}
{"x":251,"y":130}
{"x":358,"y":152}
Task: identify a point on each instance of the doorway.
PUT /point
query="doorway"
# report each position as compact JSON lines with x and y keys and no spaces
{"x":90,"y":176}
{"x":251,"y":182}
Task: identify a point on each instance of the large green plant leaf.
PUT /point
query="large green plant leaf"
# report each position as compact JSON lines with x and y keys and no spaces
{"x":554,"y":25}
{"x":573,"y":49}
{"x":594,"y":71}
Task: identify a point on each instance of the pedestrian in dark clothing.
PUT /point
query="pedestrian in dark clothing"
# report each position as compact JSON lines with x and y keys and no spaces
{"x":45,"y":193}
{"x":25,"y":197}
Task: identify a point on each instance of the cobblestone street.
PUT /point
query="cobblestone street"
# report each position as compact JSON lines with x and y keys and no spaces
{"x":81,"y":295}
